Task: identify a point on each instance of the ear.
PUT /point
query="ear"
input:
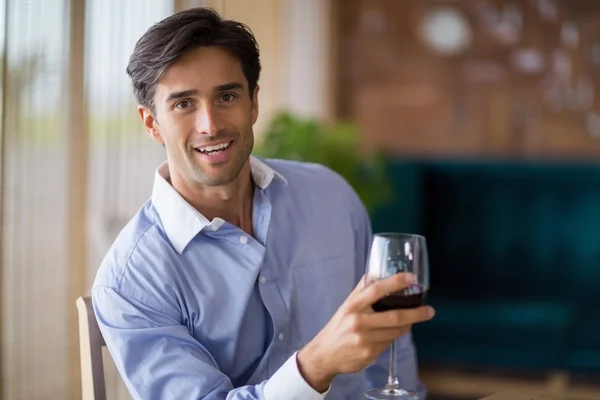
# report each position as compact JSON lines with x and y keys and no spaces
{"x":255,"y":104}
{"x":150,"y":123}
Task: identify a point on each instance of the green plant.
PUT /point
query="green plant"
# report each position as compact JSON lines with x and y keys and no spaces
{"x":334,"y":145}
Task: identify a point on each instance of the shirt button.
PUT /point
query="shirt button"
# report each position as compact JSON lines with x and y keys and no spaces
{"x":243,"y":239}
{"x":281,"y":336}
{"x":262,"y":279}
{"x":214,"y":227}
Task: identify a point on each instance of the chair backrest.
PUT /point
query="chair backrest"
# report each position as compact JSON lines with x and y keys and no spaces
{"x":90,"y":351}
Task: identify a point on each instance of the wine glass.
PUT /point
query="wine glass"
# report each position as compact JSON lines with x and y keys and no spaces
{"x":393,"y":253}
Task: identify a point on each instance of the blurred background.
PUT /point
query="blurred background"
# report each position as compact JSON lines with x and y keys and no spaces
{"x":473,"y":122}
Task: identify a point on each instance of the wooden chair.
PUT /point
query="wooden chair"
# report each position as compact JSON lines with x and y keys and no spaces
{"x":90,"y":351}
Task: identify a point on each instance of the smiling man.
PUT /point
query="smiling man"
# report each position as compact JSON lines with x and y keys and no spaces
{"x":239,"y":278}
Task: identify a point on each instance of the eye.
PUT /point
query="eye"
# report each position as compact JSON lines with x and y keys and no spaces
{"x":227,"y":97}
{"x":183,"y":104}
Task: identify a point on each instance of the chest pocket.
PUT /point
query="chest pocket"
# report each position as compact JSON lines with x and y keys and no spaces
{"x":319,"y":290}
{"x":321,"y":270}
{"x":325,"y":263}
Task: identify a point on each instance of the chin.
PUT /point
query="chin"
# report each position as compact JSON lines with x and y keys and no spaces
{"x":219,"y":178}
{"x":220,"y":181}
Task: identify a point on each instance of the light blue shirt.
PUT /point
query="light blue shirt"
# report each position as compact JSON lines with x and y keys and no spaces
{"x":198,"y":309}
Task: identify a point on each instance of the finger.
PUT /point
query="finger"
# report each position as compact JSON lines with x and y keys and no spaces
{"x":387,"y":335}
{"x":398,"y":318}
{"x":370,"y":294}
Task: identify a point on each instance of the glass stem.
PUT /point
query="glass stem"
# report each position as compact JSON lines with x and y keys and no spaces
{"x":392,"y":378}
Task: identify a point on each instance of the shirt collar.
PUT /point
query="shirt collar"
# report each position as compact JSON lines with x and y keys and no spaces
{"x":181,"y":221}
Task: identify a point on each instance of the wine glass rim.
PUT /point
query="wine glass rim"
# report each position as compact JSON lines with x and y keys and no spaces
{"x":391,"y":235}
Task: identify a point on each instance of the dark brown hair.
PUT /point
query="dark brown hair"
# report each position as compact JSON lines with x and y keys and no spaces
{"x":171,"y":38}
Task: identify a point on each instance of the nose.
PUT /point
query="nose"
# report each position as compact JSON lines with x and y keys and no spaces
{"x":207,"y":121}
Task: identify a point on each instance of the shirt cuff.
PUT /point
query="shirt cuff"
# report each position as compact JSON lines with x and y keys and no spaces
{"x":287,"y":383}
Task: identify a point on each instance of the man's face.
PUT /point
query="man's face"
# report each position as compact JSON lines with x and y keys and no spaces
{"x":204,"y":116}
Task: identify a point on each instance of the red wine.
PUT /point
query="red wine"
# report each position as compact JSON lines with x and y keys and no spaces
{"x":410,"y":298}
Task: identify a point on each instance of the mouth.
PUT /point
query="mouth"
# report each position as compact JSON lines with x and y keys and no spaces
{"x":215,"y":153}
{"x":214,"y":150}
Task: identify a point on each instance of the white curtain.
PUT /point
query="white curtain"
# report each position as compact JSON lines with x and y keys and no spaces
{"x":35,"y":272}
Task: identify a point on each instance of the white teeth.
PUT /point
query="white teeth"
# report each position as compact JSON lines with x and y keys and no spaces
{"x":209,"y":149}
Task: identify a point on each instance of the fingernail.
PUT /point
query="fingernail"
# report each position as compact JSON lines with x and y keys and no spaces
{"x":409,"y":278}
{"x":431,"y":312}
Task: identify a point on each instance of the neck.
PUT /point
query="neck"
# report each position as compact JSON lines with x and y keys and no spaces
{"x":231,"y":202}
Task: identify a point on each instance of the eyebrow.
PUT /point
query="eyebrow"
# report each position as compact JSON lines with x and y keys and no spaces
{"x":194,"y":92}
{"x":229,"y":86}
{"x":183,"y":93}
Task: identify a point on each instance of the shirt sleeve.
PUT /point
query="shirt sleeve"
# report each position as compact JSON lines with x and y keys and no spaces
{"x":288,"y":383}
{"x":376,"y":375}
{"x":158,"y":358}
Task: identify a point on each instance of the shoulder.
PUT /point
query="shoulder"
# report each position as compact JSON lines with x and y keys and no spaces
{"x":318,"y":177}
{"x":319,"y":187}
{"x":140,"y":244}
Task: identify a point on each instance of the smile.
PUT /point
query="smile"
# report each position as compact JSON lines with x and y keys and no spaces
{"x":213,"y":150}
